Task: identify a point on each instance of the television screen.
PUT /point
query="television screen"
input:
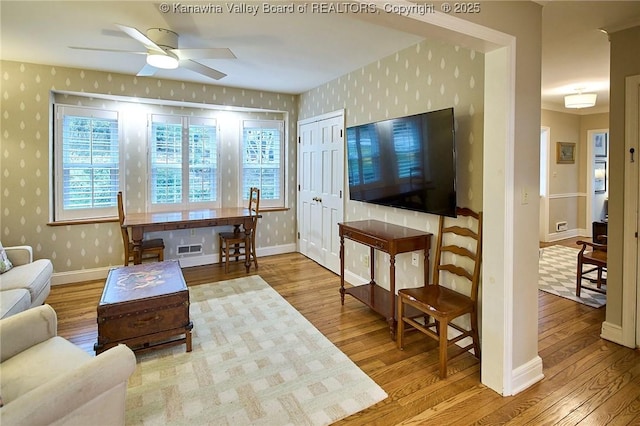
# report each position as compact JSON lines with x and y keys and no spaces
{"x":407,"y":162}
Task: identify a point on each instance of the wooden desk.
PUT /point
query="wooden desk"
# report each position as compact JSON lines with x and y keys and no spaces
{"x":139,"y":223}
{"x":388,"y":238}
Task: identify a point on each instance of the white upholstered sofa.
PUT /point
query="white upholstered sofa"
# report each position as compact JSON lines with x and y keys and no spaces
{"x":47,"y":380}
{"x":27,"y":284}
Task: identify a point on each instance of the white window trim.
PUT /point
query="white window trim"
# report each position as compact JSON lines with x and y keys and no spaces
{"x":59,"y":213}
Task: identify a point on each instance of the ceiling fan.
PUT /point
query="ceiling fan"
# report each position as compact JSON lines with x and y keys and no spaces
{"x":163,"y":52}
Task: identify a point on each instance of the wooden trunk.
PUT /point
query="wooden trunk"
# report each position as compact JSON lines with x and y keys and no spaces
{"x":144,"y":307}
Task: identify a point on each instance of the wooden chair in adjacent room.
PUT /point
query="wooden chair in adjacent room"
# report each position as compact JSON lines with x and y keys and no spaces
{"x":432,"y":308}
{"x":232,"y":244}
{"x":150,"y":248}
{"x":595,"y":260}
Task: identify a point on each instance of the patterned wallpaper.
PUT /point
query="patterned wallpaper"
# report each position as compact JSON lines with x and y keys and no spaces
{"x":25,"y":161}
{"x":428,"y":76}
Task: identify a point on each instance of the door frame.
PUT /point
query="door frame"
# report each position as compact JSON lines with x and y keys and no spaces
{"x":589,"y":177}
{"x":544,"y":168}
{"x":630,"y":329}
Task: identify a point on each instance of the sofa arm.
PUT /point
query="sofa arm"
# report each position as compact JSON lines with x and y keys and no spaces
{"x":19,"y":255}
{"x":25,"y":329}
{"x":94,"y":392}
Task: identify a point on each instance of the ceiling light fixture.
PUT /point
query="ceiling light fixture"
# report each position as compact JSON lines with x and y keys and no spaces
{"x":580,"y":100}
{"x":167,"y":61}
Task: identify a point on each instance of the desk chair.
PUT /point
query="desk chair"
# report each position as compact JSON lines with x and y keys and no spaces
{"x":434,"y":307}
{"x":150,"y":248}
{"x":232,"y":244}
{"x":596,"y":257}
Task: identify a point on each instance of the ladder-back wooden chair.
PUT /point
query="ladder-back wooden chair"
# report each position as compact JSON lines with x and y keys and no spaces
{"x":595,"y":257}
{"x":150,"y":248}
{"x":434,"y":306}
{"x":232,"y":244}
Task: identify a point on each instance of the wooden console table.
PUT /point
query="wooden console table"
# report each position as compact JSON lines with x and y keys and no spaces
{"x":390,"y":239}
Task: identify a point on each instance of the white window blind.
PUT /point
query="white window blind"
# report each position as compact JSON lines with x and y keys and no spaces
{"x":87,"y":163}
{"x":203,"y":162}
{"x":183,"y":161}
{"x":263,"y":161}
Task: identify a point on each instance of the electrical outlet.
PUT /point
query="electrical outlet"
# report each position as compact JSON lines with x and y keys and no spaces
{"x":525,"y":196}
{"x":192,"y":232}
{"x":365,"y":260}
{"x":415,"y":259}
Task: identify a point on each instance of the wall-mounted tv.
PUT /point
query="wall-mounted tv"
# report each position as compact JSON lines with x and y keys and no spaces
{"x":407,"y":162}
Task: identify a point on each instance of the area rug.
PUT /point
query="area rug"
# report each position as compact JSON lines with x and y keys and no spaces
{"x":255,"y":361}
{"x":558,"y":266}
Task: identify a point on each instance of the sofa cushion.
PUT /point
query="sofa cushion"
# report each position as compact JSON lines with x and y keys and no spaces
{"x":34,"y":276}
{"x":5,"y":263}
{"x":39,"y":364}
{"x":14,"y":301}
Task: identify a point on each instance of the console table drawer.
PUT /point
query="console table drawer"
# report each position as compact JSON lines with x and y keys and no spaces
{"x":367,"y":240}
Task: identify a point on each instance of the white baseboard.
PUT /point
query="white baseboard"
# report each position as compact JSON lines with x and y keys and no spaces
{"x":354,"y":279}
{"x":526,"y":376}
{"x":612,"y":332}
{"x":557,"y":236}
{"x":70,"y":277}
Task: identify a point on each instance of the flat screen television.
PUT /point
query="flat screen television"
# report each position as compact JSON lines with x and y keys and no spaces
{"x":407,"y":162}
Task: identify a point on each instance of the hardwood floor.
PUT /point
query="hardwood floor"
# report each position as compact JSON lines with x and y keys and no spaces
{"x":588,"y":381}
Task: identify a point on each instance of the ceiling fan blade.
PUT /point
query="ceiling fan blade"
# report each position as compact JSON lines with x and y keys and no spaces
{"x":147,"y":71}
{"x":137,"y":35}
{"x":97,"y":49}
{"x":202,"y":69}
{"x":211,"y":53}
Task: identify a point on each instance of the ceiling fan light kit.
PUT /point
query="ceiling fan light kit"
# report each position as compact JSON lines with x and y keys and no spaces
{"x":580,"y":100}
{"x":167,"y":61}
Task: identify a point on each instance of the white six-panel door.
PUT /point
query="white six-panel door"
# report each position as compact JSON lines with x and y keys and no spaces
{"x":321,"y":187}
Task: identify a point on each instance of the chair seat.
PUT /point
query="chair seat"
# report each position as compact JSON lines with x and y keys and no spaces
{"x":154,"y":243}
{"x":596,"y":257}
{"x":435,"y":298}
{"x":233,"y":236}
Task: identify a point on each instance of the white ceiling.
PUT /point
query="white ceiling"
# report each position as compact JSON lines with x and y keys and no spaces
{"x":290,"y":52}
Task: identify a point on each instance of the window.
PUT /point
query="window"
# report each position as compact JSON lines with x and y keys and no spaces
{"x":263,"y":161}
{"x":86,"y":172}
{"x":183,"y":162}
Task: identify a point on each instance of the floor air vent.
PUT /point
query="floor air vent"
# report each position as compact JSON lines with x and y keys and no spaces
{"x":190,"y":249}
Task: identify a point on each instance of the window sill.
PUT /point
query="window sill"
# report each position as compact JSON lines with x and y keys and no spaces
{"x":83,"y":221}
{"x":273,"y":209}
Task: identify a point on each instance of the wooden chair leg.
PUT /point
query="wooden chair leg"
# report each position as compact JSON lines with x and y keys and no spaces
{"x":400,"y":330}
{"x":474,"y":334}
{"x":253,"y":251}
{"x":220,"y":250}
{"x":579,"y":278}
{"x":443,"y":349}
{"x":599,"y":282}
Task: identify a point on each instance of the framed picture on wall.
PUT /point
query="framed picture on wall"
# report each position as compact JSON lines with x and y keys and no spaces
{"x":600,"y":177}
{"x":600,"y":144}
{"x":565,"y":152}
